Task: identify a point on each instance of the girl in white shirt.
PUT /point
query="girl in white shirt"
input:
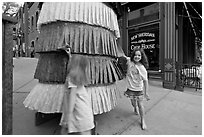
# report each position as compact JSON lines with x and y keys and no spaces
{"x":77,"y":116}
{"x":137,"y":81}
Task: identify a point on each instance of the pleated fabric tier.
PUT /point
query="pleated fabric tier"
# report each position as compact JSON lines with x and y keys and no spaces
{"x":92,"y":13}
{"x":48,"y":98}
{"x":82,"y":38}
{"x":45,"y":98}
{"x":90,"y":29}
{"x":104,"y":98}
{"x":52,"y":68}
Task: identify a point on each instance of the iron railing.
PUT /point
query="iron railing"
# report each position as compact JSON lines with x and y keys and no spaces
{"x":189,"y":75}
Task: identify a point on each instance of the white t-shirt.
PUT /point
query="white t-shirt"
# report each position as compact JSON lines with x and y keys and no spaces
{"x":82,"y":116}
{"x":135,"y":76}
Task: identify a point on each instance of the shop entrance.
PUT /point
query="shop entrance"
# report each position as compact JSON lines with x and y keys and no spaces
{"x":147,"y":38}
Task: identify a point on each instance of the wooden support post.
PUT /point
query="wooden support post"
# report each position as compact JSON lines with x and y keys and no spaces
{"x":7,"y":74}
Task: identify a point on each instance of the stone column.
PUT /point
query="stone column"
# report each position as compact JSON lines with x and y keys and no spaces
{"x":168,"y":35}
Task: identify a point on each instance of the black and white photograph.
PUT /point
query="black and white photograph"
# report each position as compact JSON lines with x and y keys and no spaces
{"x":102,"y":68}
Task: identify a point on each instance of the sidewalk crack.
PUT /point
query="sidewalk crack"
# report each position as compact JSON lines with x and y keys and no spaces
{"x":23,"y":85}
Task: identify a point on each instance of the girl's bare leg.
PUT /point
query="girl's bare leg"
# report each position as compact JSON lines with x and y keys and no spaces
{"x":134,"y":104}
{"x":142,"y":114}
{"x":63,"y":131}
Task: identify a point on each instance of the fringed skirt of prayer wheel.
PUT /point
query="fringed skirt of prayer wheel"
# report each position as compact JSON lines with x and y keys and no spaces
{"x":91,"y":30}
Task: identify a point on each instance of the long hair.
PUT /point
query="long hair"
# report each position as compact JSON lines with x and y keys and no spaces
{"x":144,"y":60}
{"x":77,"y":70}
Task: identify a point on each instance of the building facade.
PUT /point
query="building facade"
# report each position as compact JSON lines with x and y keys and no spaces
{"x":26,"y":29}
{"x":168,"y":32}
{"x":33,"y":33}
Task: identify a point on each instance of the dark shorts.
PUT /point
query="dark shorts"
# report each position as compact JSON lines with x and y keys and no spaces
{"x":134,"y":94}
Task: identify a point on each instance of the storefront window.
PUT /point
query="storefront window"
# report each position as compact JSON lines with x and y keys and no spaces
{"x":148,"y":39}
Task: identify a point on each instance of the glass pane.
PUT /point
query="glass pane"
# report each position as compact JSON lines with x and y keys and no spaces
{"x":148,"y":39}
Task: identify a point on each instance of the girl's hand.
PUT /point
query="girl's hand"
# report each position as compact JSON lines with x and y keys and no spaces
{"x":68,"y":50}
{"x":147,"y":97}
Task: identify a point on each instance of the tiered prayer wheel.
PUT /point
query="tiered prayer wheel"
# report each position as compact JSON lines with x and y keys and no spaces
{"x":91,"y":30}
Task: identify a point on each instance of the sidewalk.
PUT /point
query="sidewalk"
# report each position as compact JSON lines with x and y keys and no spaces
{"x":168,"y":112}
{"x":174,"y":113}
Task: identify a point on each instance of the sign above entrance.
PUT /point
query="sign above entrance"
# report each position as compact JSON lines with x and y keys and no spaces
{"x":145,"y":40}
{"x":147,"y":34}
{"x":149,"y":41}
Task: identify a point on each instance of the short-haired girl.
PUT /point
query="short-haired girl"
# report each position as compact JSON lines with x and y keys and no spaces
{"x":137,"y":81}
{"x":77,"y":116}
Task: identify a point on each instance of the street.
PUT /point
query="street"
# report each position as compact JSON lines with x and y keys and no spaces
{"x":169,"y":112}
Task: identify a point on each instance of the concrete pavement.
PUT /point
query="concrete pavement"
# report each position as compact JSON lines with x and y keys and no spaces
{"x":175,"y":113}
{"x":169,"y":112}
